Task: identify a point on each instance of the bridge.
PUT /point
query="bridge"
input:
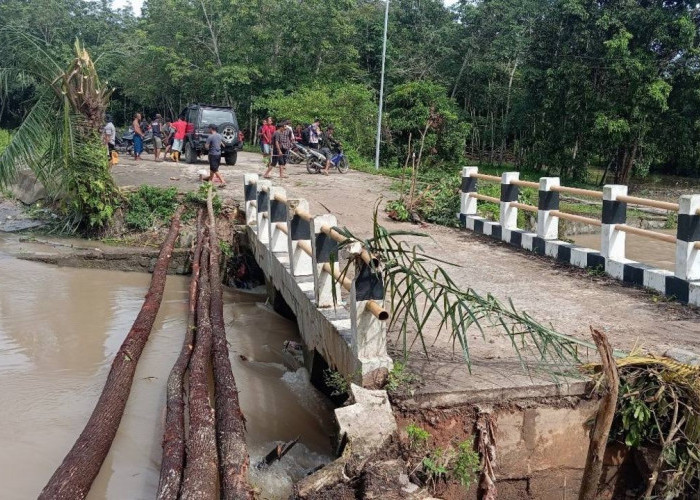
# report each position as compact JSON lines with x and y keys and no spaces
{"x":294,"y":248}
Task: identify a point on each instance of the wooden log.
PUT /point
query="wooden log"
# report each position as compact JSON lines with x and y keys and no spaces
{"x":200,"y":478}
{"x":230,"y":422}
{"x":173,"y":462}
{"x":603,"y":420}
{"x":74,"y":477}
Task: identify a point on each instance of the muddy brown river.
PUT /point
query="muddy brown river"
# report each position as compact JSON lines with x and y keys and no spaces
{"x":653,"y":252}
{"x":59,"y":331}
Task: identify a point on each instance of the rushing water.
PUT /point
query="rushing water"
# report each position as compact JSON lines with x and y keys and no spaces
{"x":59,"y":330}
{"x":645,"y":250}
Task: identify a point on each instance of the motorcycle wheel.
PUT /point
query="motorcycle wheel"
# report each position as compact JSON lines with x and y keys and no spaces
{"x":312,"y":166}
{"x":343,"y":165}
{"x":295,"y":157}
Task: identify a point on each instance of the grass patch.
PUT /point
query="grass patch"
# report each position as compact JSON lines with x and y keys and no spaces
{"x":150,"y":207}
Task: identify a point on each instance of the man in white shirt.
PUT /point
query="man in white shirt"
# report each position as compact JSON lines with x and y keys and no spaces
{"x":109,"y":136}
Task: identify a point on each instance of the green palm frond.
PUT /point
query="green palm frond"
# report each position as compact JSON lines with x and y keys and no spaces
{"x":422,"y":294}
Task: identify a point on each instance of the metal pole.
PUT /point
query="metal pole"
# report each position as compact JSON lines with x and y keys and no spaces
{"x":381,"y":89}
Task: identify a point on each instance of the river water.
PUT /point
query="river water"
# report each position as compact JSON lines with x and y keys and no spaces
{"x":645,"y":250}
{"x":59,"y":331}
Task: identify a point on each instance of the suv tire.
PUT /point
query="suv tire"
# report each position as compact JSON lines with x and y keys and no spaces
{"x":229,"y":133}
{"x":190,"y":153}
{"x":231,"y":157}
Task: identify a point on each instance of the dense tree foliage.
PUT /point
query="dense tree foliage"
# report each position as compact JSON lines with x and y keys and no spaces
{"x":556,"y":85}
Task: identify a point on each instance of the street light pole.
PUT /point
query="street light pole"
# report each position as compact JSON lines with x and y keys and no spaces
{"x":381,"y":89}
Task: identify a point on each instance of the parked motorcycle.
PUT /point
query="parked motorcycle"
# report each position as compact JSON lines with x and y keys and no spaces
{"x":317,"y":162}
{"x":298,"y":154}
{"x":127,"y":140}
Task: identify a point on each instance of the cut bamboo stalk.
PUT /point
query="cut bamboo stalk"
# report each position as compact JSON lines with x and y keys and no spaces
{"x":282,"y":227}
{"x":74,"y":477}
{"x":529,"y":184}
{"x":303,"y":214}
{"x":336,"y":236}
{"x":200,"y":477}
{"x":378,"y":311}
{"x":173,"y":462}
{"x":335,"y":272}
{"x":230,"y":423}
{"x":304,"y":245}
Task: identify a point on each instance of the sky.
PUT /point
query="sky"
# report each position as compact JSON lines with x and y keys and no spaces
{"x":136,"y":4}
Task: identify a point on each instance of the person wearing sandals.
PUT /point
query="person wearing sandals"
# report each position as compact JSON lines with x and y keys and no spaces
{"x":213,"y":145}
{"x":280,"y":146}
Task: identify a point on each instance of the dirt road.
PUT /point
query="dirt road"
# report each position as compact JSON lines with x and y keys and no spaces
{"x":569,"y":299}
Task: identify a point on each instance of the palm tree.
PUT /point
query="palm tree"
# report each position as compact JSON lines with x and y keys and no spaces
{"x":59,"y":138}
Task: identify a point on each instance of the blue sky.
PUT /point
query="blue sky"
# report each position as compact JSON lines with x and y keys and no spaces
{"x":136,"y":4}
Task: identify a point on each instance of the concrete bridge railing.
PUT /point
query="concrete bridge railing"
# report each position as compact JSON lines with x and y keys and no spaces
{"x":340,"y":319}
{"x":683,"y":284}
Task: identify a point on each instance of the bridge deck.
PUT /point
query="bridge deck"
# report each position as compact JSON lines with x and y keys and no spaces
{"x":568,"y":298}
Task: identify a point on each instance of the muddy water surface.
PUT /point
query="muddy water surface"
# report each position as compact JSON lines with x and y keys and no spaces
{"x":59,"y":330}
{"x":653,"y":252}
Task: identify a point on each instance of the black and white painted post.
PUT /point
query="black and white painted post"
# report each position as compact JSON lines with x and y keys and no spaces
{"x":263,"y":215}
{"x":324,"y":250}
{"x":508,"y":213}
{"x":467,"y":203}
{"x":250,"y":193}
{"x":687,"y":253}
{"x":548,"y":200}
{"x":298,"y":235}
{"x":278,"y":220}
{"x":369,"y":330}
{"x":612,"y":242}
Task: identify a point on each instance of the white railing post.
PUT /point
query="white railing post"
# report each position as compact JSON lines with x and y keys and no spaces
{"x":509,"y":192}
{"x":298,"y":231}
{"x":467,"y":203}
{"x":324,"y":249}
{"x":263,"y":205}
{"x":612,"y":242}
{"x":369,"y":332}
{"x":250,"y":192}
{"x":548,"y":200}
{"x":688,"y":233}
{"x":278,"y":215}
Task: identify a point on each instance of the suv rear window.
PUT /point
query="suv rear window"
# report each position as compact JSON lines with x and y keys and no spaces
{"x":216,"y":117}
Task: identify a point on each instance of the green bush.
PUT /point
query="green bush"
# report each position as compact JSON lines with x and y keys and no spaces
{"x":417,"y":436}
{"x":466,"y":465}
{"x":150,"y":206}
{"x":4,"y":139}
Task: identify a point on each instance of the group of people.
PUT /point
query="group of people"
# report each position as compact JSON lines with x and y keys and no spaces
{"x":276,"y":141}
{"x":171,"y":134}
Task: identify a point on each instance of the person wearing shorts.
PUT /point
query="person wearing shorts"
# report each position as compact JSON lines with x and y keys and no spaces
{"x":180,"y":129}
{"x":213,"y":145}
{"x":280,"y":148}
{"x":157,"y":137}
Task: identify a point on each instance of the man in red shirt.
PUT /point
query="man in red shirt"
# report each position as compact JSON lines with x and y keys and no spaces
{"x":180,"y":129}
{"x":266,"y":133}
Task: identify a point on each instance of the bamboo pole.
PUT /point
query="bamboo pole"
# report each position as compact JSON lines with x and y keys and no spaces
{"x":485,"y":177}
{"x":645,"y":202}
{"x":173,"y":461}
{"x":523,"y":206}
{"x":74,"y":477}
{"x":579,"y":191}
{"x":200,"y":478}
{"x":378,"y":311}
{"x":303,"y":214}
{"x":364,"y":254}
{"x":668,"y":238}
{"x":575,"y":218}
{"x":529,"y":184}
{"x":344,"y":280}
{"x":282,"y":227}
{"x":230,"y":423}
{"x":483,"y":197}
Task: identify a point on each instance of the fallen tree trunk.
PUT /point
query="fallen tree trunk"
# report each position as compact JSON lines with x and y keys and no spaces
{"x":73,"y":478}
{"x":230,"y":422}
{"x":603,"y":420}
{"x":200,"y":477}
{"x":173,"y":462}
